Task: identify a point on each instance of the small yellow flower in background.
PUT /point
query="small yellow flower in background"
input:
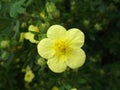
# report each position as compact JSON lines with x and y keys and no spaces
{"x":55,"y":88}
{"x":62,"y":48}
{"x":4,"y":43}
{"x":30,"y":36}
{"x":29,"y":75}
{"x":33,"y":28}
{"x":73,"y":89}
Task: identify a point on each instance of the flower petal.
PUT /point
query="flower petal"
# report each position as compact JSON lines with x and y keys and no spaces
{"x":76,"y":58}
{"x":33,"y":28}
{"x":75,"y":37}
{"x":45,"y":48}
{"x":30,"y":36}
{"x":56,"y":32}
{"x":57,"y":64}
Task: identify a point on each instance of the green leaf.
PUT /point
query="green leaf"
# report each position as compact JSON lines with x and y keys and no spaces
{"x":17,"y":8}
{"x":13,"y":12}
{"x":67,"y":86}
{"x":82,"y":81}
{"x":29,"y":2}
{"x":20,"y":2}
{"x":20,"y":10}
{"x":17,"y":29}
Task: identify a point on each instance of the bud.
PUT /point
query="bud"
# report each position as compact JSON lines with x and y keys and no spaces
{"x":33,"y":28}
{"x":41,"y":62}
{"x":56,"y":14}
{"x":52,"y":10}
{"x":86,"y":23}
{"x":50,"y":6}
{"x":55,"y":88}
{"x":73,"y":5}
{"x":4,"y":43}
{"x":42,"y":15}
{"x":73,"y":89}
{"x":97,"y":26}
{"x":23,"y":25}
{"x":43,"y":26}
{"x":4,"y":55}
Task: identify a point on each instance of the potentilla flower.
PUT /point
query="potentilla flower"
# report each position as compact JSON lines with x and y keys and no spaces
{"x":55,"y":88}
{"x":29,"y":75}
{"x":62,"y":48}
{"x":33,"y":28}
{"x":30,"y":36}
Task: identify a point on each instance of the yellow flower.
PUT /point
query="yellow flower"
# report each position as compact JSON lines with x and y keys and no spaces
{"x":30,"y":36}
{"x":29,"y":75}
{"x":55,"y":88}
{"x":73,"y":89}
{"x":4,"y":43}
{"x":62,"y":48}
{"x":33,"y":28}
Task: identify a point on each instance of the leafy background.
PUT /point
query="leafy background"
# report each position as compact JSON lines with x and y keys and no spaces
{"x":98,"y":19}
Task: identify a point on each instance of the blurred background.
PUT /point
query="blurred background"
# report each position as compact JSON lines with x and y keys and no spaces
{"x":98,"y":19}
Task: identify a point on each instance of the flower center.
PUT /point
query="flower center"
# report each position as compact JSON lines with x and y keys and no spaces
{"x":60,"y":47}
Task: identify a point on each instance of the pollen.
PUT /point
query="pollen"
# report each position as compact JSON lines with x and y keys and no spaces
{"x":61,"y":47}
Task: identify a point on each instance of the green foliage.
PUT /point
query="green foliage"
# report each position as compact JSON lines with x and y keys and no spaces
{"x":16,"y":8}
{"x":98,"y":19}
{"x":0,"y":5}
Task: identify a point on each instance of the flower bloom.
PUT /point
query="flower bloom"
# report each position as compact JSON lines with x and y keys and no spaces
{"x":33,"y":28}
{"x":55,"y":88}
{"x":62,"y":48}
{"x":73,"y":89}
{"x":29,"y":75}
{"x":29,"y":35}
